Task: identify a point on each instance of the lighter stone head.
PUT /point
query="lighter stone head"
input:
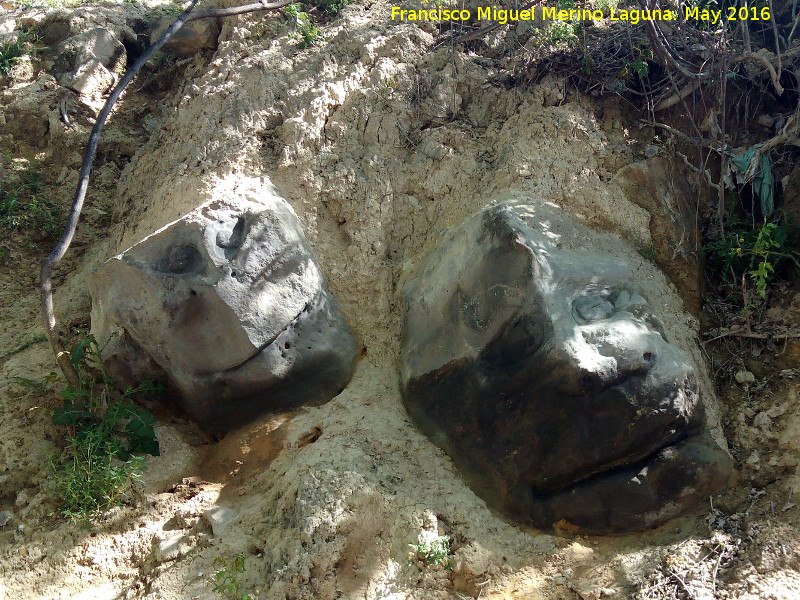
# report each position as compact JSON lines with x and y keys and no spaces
{"x":229,"y":305}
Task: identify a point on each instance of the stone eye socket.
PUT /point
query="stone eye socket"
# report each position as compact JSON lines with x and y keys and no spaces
{"x":592,"y":308}
{"x":179,"y":260}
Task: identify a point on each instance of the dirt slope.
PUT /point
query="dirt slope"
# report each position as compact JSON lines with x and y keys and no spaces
{"x":379,"y":141}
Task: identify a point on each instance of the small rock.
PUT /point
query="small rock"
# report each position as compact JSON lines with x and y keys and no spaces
{"x":744,"y":376}
{"x":22,"y":498}
{"x":753,"y":459}
{"x":777,"y":411}
{"x":169,"y":546}
{"x":219,"y":517}
{"x":5,"y":517}
{"x":189,"y":39}
{"x":766,"y":120}
{"x":7,"y":24}
{"x":762,"y":420}
{"x":88,"y":78}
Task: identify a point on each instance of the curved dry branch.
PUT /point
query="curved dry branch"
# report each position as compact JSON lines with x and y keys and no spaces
{"x":238,"y":10}
{"x":61,"y":247}
{"x":773,"y":74}
{"x":663,"y":49}
{"x":478,"y":33}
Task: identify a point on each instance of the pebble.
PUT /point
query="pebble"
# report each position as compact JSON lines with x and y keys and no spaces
{"x":762,"y":420}
{"x":219,"y":517}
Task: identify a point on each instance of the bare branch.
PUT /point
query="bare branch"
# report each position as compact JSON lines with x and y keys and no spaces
{"x":489,"y":28}
{"x":763,"y":60}
{"x":238,"y":10}
{"x":677,"y":96}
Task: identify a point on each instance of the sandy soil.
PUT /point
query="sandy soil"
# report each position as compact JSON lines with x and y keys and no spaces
{"x":379,"y":141}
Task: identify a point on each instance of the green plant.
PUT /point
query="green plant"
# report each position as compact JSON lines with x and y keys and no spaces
{"x":304,"y":28}
{"x":22,"y":205}
{"x":556,"y":32}
{"x":604,"y":5}
{"x":432,"y":552}
{"x":260,"y":30}
{"x":106,"y":432}
{"x":563,"y":32}
{"x":587,"y":64}
{"x":749,"y":256}
{"x":640,"y":65}
{"x":226,"y":580}
{"x":171,"y":9}
{"x":331,"y":7}
{"x":649,"y":253}
{"x":768,"y":248}
{"x":12,"y":51}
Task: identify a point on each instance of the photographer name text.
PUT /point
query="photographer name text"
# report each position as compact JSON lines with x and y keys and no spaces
{"x":547,"y":13}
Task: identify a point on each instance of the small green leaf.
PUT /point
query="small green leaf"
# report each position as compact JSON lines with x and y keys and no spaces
{"x":69,"y":415}
{"x":70,"y":393}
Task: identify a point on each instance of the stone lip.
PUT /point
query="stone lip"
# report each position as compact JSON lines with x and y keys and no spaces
{"x":543,"y":370}
{"x":229,"y":306}
{"x":648,"y":493}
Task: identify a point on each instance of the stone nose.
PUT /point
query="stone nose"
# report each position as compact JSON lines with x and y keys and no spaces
{"x":636,"y":360}
{"x":621,"y":351}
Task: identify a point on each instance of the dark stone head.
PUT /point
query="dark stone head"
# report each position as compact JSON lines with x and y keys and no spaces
{"x":544,"y":371}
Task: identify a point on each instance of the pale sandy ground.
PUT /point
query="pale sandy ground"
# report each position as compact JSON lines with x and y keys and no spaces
{"x":357,"y":133}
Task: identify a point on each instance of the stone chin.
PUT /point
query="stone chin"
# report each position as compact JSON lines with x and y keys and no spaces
{"x":229,"y":306}
{"x":544,"y":372}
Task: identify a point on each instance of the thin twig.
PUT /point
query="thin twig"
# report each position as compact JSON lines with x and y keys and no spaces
{"x":705,"y":173}
{"x":677,"y":96}
{"x":745,"y":30}
{"x":723,"y":104}
{"x":772,"y":73}
{"x":489,"y":28}
{"x":683,"y":584}
{"x":716,"y":569}
{"x":238,"y":10}
{"x":697,"y":141}
{"x":744,"y":333}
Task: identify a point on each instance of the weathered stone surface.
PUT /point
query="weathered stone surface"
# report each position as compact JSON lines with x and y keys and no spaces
{"x":658,"y":186}
{"x":90,"y":77}
{"x":190,"y":39}
{"x":219,"y":517}
{"x":5,"y":518}
{"x":86,"y":61}
{"x":98,"y":44}
{"x":229,"y":305}
{"x":791,"y":197}
{"x":26,"y":116}
{"x":544,"y":372}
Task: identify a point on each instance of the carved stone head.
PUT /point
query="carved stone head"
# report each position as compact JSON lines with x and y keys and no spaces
{"x":228,"y":304}
{"x":534,"y":356}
